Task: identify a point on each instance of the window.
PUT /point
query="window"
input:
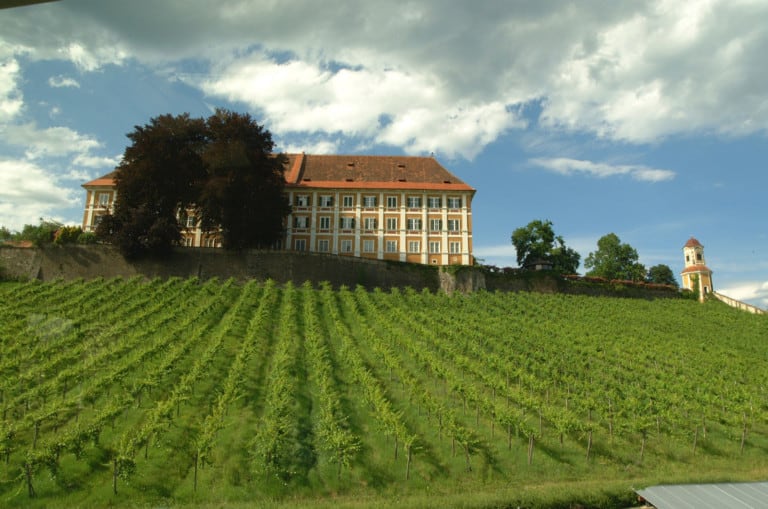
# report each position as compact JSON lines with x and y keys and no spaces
{"x":346,"y":223}
{"x":103,"y":199}
{"x":391,"y":223}
{"x":347,"y":201}
{"x":325,"y":223}
{"x":369,"y":223}
{"x":302,"y":200}
{"x":391,"y":202}
{"x":326,"y":200}
{"x":435,"y":225}
{"x":434,"y":246}
{"x":434,"y":202}
{"x":454,"y":225}
{"x":368,"y":246}
{"x":322,"y":245}
{"x":369,"y":201}
{"x":455,"y":247}
{"x":698,"y":257}
{"x":454,"y":202}
{"x":190,"y":222}
{"x":414,"y":202}
{"x":391,"y":246}
{"x":188,"y":241}
{"x":301,"y":244}
{"x":413,"y":246}
{"x":414,"y":224}
{"x":210,"y":242}
{"x":346,"y":246}
{"x":301,"y":222}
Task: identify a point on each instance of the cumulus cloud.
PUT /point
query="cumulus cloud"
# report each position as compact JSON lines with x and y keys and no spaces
{"x":445,"y":76}
{"x":11,"y":100}
{"x":567,"y":166}
{"x":62,"y":81}
{"x":27,"y":191}
{"x":50,"y":142}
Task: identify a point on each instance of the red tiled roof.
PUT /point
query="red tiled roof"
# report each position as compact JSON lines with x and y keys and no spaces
{"x":696,"y":268}
{"x":692,"y":242}
{"x":357,"y":172}
{"x":369,"y":172}
{"x":104,"y":180}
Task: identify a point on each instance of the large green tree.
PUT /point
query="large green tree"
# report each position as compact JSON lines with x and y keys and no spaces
{"x":537,"y":241}
{"x":614,"y":260}
{"x":661,"y":274}
{"x":221,"y":168}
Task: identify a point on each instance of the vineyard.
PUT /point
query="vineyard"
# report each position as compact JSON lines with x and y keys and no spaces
{"x":128,"y":392}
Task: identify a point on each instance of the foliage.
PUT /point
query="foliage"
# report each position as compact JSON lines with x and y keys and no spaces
{"x":614,"y":260}
{"x":537,"y":241}
{"x":86,"y":238}
{"x":5,"y":234}
{"x":243,"y":189}
{"x":127,"y":393}
{"x":67,"y":235}
{"x":40,"y":234}
{"x":661,"y":274}
{"x":221,"y":170}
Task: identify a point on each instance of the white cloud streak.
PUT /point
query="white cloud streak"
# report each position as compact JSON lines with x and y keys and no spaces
{"x":62,"y":82}
{"x":567,"y":166}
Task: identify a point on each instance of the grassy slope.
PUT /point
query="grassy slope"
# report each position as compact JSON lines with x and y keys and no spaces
{"x":675,"y":372}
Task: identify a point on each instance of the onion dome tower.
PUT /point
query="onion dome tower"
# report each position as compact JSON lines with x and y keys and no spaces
{"x":696,"y":275}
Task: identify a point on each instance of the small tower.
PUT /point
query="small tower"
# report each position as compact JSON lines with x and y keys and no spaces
{"x":696,"y":272}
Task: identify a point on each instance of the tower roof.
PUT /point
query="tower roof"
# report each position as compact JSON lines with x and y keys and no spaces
{"x":696,"y":268}
{"x":692,"y":242}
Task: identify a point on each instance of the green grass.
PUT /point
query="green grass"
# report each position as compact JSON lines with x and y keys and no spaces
{"x":500,"y":368}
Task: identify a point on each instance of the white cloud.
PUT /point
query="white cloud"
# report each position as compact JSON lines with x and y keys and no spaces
{"x":11,"y":100}
{"x":49,"y":142}
{"x":91,"y":161}
{"x":62,"y":81}
{"x":28,"y":192}
{"x":567,"y":166}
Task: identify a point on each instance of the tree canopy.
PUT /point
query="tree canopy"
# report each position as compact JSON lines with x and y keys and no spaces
{"x":614,"y":260}
{"x":537,"y":242}
{"x":221,"y":169}
{"x":661,"y":274}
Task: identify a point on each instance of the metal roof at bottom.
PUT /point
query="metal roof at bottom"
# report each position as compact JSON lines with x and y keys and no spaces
{"x":748,"y":495}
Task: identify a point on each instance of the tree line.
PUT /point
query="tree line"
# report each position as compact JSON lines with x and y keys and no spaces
{"x":537,"y":243}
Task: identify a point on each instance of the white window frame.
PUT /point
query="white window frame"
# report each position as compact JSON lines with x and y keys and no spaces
{"x":454,"y":202}
{"x":323,"y":245}
{"x":413,"y":224}
{"x":434,"y":202}
{"x":347,"y":223}
{"x":345,"y":246}
{"x":434,"y":246}
{"x":414,"y":202}
{"x":435,"y":225}
{"x":370,"y":201}
{"x":370,"y":223}
{"x":454,"y":225}
{"x":455,"y":247}
{"x":190,"y":222}
{"x":391,"y":223}
{"x":301,"y":222}
{"x":324,"y":223}
{"x":326,"y":200}
{"x":300,"y":244}
{"x":302,"y":200}
{"x":103,"y":199}
{"x":391,"y":246}
{"x":347,"y":201}
{"x":369,"y":246}
{"x":391,"y":202}
{"x":414,"y":246}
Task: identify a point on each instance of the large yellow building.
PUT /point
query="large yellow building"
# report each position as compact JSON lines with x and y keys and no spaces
{"x":696,"y":271}
{"x":399,"y":208}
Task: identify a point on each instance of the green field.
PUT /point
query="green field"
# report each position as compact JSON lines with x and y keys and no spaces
{"x":180,"y":392}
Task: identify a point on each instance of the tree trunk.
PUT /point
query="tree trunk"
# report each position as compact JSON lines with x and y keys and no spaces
{"x":408,"y":463}
{"x":530,"y":449}
{"x":28,"y":472}
{"x":589,"y":444}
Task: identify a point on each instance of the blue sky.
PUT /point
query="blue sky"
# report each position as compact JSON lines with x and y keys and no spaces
{"x":647,"y":119}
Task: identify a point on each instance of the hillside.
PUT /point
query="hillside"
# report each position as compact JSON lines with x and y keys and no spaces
{"x":179,"y":392}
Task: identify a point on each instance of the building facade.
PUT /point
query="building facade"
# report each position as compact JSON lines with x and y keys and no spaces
{"x":696,"y":276}
{"x":408,"y":209}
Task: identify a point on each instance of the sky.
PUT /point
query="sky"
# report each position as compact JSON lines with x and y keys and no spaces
{"x":647,"y":119}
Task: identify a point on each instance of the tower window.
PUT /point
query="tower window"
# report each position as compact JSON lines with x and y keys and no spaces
{"x":698,"y":257}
